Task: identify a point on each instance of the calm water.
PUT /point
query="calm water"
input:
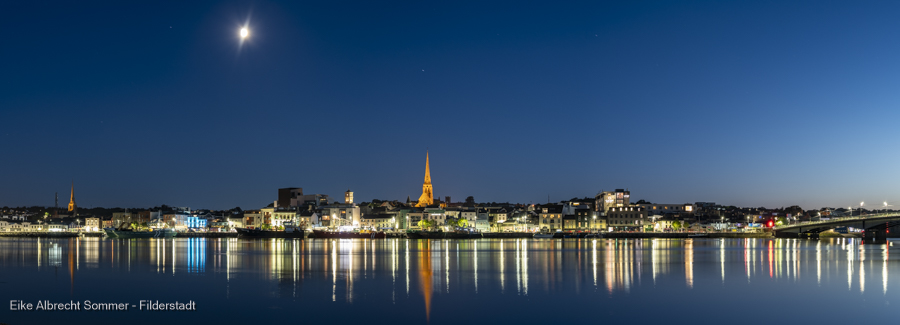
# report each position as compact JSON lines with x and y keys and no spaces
{"x":708,"y":281}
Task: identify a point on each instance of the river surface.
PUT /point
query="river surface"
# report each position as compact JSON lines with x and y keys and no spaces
{"x":486,"y":281}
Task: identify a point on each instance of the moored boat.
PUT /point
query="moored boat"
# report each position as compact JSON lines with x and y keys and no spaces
{"x":542,"y":235}
{"x":443,"y":235}
{"x":290,"y":231}
{"x":340,"y":234}
{"x":162,"y":233}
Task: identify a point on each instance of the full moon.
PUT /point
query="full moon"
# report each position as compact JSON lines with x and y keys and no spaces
{"x":244,"y":32}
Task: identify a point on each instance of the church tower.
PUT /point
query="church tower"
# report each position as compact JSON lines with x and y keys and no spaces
{"x":72,"y":205}
{"x":348,"y":197}
{"x":427,"y":197}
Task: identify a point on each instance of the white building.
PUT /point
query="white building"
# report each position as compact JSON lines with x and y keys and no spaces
{"x":235,"y":221}
{"x":341,"y":214}
{"x":280,"y":216}
{"x":92,"y":224}
{"x":469,"y":216}
{"x":378,"y":221}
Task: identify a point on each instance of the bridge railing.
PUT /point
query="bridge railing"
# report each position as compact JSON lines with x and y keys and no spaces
{"x":838,"y":219}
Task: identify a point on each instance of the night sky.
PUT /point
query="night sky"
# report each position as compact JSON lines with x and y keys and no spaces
{"x":756,"y":103}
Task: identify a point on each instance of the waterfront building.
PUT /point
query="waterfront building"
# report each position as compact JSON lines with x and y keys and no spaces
{"x":281,"y":215}
{"x":177,"y":218}
{"x":664,"y":224}
{"x":586,"y":219}
{"x":92,"y":224}
{"x":121,"y":219}
{"x":452,"y":213}
{"x":401,"y":217}
{"x":142,"y":217}
{"x":266,"y":216}
{"x":236,"y":221}
{"x":434,"y":214}
{"x":307,"y":217}
{"x":427,"y":197}
{"x":469,"y":215}
{"x":665,"y":209}
{"x":339,"y":214}
{"x":482,"y":223}
{"x":598,"y":222}
{"x":17,"y":226}
{"x":604,"y":201}
{"x":378,"y":221}
{"x":252,"y":219}
{"x":413,"y":218}
{"x":631,"y":218}
{"x":550,"y":217}
{"x":498,"y":215}
{"x":193,"y":222}
{"x":57,"y":227}
{"x":511,"y":226}
{"x":437,"y":215}
{"x":570,"y":222}
{"x":583,"y":217}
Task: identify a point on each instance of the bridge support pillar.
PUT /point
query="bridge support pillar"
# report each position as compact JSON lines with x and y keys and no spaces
{"x":784,"y":234}
{"x":876,"y":235}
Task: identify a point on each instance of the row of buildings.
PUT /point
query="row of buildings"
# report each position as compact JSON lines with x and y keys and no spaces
{"x":606,"y":211}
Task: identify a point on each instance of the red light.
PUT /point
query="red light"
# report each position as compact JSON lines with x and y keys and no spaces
{"x":771,"y":223}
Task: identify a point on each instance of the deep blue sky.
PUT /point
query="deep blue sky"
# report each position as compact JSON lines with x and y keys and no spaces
{"x":756,"y":103}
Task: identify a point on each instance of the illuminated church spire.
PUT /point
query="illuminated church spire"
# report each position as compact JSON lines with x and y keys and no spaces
{"x":72,"y":198}
{"x":427,"y":197}
{"x":427,"y":170}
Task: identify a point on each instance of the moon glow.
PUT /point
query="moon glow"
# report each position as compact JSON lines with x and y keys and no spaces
{"x":244,"y":33}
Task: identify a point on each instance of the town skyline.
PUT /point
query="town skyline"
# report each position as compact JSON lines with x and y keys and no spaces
{"x":428,"y":198}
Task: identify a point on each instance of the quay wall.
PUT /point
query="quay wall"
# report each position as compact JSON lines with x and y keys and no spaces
{"x":507,"y":235}
{"x":207,"y":235}
{"x":42,"y":234}
{"x":685,"y":235}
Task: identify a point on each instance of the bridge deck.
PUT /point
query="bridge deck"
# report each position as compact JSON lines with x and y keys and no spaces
{"x":834,"y":222}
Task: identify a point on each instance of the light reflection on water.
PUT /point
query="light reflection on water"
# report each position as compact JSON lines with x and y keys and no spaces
{"x":425,"y":271}
{"x":524,"y":261}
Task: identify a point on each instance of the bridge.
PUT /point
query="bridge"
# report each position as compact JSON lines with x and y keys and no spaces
{"x":875,"y":225}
